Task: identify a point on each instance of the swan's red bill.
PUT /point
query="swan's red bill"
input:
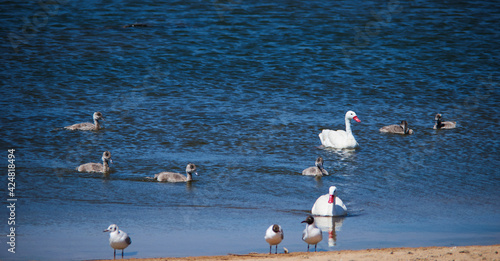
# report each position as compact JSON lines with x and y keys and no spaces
{"x":331,"y":199}
{"x":356,"y":118}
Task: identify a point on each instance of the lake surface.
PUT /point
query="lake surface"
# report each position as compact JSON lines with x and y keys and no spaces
{"x":242,"y":89}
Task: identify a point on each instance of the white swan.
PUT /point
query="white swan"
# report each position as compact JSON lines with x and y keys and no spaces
{"x":341,"y":139}
{"x":274,"y":236}
{"x":118,"y":239}
{"x":325,"y":206}
{"x":312,"y":235}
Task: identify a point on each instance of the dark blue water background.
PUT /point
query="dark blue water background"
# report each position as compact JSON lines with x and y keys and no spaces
{"x":242,"y":89}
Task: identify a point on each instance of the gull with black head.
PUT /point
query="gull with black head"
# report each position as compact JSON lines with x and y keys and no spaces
{"x":312,"y":234}
{"x":274,"y":236}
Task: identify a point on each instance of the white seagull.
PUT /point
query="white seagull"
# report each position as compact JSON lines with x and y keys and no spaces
{"x":341,"y":139}
{"x":117,"y":239}
{"x":312,"y":234}
{"x":329,"y":205}
{"x":274,"y":236}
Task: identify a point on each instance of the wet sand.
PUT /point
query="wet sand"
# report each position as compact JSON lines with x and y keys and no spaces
{"x":421,"y":253}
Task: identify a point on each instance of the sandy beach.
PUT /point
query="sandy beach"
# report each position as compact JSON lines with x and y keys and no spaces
{"x":420,"y":253}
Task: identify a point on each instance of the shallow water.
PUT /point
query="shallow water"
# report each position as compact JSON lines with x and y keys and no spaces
{"x":242,"y":90}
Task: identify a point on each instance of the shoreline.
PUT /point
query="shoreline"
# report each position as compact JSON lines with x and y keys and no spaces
{"x":490,"y":252}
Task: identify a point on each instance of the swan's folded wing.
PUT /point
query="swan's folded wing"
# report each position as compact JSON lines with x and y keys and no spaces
{"x":320,"y":207}
{"x":330,"y":138}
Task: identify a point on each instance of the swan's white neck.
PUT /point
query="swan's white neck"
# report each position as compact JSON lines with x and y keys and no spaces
{"x":348,"y":126}
{"x":189,"y":176}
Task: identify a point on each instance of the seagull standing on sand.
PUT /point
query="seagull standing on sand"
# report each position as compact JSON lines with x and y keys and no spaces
{"x":118,"y":239}
{"x":274,"y":235}
{"x":312,"y":234}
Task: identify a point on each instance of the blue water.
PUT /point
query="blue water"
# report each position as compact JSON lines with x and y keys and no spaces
{"x":242,"y":89}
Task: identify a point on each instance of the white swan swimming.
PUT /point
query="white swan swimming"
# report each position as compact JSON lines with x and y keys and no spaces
{"x":118,"y":239}
{"x":274,"y":236}
{"x":341,"y":139}
{"x":329,"y":205}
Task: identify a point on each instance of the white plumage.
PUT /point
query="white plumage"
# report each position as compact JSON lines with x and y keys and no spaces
{"x":274,"y":236}
{"x":341,"y":139}
{"x":312,"y":235}
{"x":118,"y":239}
{"x":329,"y":205}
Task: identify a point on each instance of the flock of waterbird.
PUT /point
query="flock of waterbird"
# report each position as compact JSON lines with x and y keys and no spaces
{"x":328,"y":205}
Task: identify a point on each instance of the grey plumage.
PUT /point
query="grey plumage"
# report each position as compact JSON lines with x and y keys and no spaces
{"x":177,"y":177}
{"x":402,"y":128}
{"x":97,"y":167}
{"x":87,"y":125}
{"x":318,"y":170}
{"x":440,"y":124}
